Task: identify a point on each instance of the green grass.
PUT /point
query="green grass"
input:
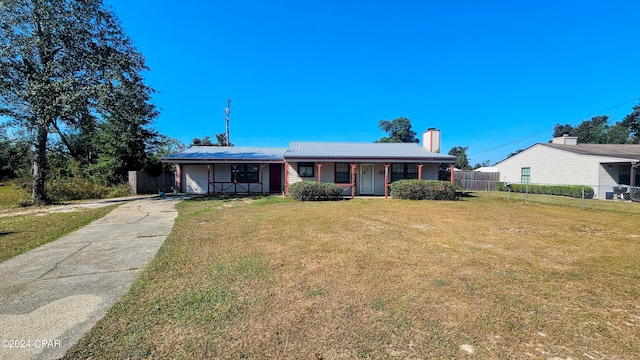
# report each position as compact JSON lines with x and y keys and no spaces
{"x":383,"y":279}
{"x":612,"y":205}
{"x":21,"y":233}
{"x":12,"y":196}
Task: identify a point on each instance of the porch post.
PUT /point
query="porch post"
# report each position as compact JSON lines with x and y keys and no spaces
{"x":353,"y":180}
{"x":420,"y":171}
{"x":261,"y":178}
{"x":319,"y":165}
{"x":178,"y":177}
{"x":632,"y":174}
{"x":386,"y":179}
{"x":208,"y":178}
{"x":286,"y":178}
{"x":164,"y":186}
{"x":453,"y":177}
{"x":234,"y":174}
{"x":213,"y":179}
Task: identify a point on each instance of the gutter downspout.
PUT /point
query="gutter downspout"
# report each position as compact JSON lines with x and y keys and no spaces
{"x":386,"y":180}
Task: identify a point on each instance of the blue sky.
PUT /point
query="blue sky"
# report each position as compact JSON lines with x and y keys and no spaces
{"x":486,"y":73}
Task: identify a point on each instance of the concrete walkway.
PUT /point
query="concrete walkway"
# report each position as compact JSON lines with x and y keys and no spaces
{"x":50,"y":296}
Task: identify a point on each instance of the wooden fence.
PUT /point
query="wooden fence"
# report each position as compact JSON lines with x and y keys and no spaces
{"x":476,"y":180}
{"x":141,"y":182}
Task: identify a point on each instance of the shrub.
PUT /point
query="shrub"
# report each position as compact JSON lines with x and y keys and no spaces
{"x":311,"y":190}
{"x":424,"y":190}
{"x":12,"y":195}
{"x":121,"y":190}
{"x":560,"y":190}
{"x":76,"y":188}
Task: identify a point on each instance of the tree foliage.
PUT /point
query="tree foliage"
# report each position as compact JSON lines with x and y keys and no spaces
{"x":221,"y":140}
{"x":632,"y":123}
{"x":462,"y":161}
{"x":205,"y":141}
{"x":399,"y":131}
{"x":595,"y":131}
{"x":15,"y":157}
{"x":67,"y":68}
{"x":485,"y":163}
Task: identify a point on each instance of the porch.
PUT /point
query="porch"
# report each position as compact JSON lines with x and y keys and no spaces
{"x":359,"y":178}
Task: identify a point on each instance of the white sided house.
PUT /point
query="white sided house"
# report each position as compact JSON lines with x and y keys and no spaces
{"x":359,"y":168}
{"x":605,"y":167}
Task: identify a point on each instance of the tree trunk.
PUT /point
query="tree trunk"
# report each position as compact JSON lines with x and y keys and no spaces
{"x":38,"y":195}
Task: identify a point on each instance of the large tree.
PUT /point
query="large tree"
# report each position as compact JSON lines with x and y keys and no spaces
{"x":462,"y":160}
{"x":61,"y":64}
{"x":632,"y":123}
{"x":595,"y":131}
{"x":221,"y":140}
{"x":122,"y":141}
{"x":399,"y":131}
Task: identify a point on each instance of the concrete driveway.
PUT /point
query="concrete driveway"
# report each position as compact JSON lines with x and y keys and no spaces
{"x":50,"y":296}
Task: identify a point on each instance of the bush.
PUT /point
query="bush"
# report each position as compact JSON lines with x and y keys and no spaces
{"x":560,"y":190}
{"x":12,"y":195}
{"x":76,"y":188}
{"x":311,"y":190}
{"x":424,"y":190}
{"x":121,"y":190}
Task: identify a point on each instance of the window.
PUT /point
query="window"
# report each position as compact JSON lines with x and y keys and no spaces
{"x":342,"y":173}
{"x":412,"y":171}
{"x":305,"y":169}
{"x":624,"y":176}
{"x":247,"y":173}
{"x":525,"y":175}
{"x":404,"y":171}
{"x":397,"y":172}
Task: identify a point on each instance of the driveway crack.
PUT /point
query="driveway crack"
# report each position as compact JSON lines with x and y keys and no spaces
{"x":59,"y":262}
{"x":142,"y":218}
{"x":91,"y":273}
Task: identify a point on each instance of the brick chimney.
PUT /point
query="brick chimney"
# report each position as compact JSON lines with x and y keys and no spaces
{"x":431,"y":140}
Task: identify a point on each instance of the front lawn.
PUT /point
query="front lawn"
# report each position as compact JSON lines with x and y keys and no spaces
{"x":21,"y":233}
{"x":371,"y":278}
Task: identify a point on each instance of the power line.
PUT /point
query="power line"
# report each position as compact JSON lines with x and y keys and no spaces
{"x":576,"y":122}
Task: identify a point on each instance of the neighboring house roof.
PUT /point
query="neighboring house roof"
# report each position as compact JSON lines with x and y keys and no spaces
{"x":627,"y":151}
{"x":223,"y":153}
{"x":325,"y":151}
{"x":487,"y":169}
{"x":329,"y":151}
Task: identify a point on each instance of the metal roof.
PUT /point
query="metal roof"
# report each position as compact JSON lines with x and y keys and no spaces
{"x":362,"y":151}
{"x":226,"y":153}
{"x":626,"y":151}
{"x":325,"y":151}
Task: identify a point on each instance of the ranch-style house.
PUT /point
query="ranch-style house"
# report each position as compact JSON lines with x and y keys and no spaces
{"x":359,"y":168}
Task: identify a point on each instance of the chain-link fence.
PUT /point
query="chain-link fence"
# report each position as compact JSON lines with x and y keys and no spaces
{"x":575,"y":195}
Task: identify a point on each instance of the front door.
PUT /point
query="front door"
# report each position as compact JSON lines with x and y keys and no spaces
{"x":275,"y":178}
{"x":366,"y":179}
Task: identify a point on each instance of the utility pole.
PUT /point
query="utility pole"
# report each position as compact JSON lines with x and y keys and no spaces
{"x":227,"y":111}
